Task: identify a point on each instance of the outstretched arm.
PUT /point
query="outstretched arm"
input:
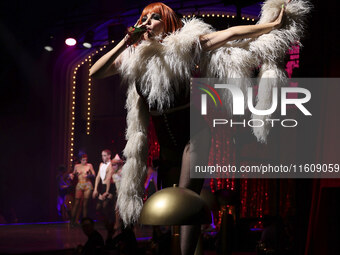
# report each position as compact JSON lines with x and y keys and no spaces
{"x":97,"y":180}
{"x":108,"y":64}
{"x":217,"y":39}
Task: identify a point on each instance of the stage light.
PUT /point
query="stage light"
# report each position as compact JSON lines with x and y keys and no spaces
{"x":70,"y":41}
{"x":48,"y":48}
{"x":88,"y":41}
{"x":49,"y":43}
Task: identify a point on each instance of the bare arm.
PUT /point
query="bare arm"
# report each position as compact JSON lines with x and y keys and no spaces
{"x":108,"y":178}
{"x":92,"y":170}
{"x":217,"y":39}
{"x":97,"y":180}
{"x":108,"y":64}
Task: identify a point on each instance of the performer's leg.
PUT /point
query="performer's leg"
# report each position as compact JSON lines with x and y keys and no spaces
{"x":99,"y":205}
{"x":74,"y":210}
{"x":87,"y":195}
{"x":190,"y":233}
{"x":85,"y":205}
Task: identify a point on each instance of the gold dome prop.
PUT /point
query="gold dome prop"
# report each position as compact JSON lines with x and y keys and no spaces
{"x":175,"y":206}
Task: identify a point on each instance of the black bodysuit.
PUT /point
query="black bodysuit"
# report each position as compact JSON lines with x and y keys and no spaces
{"x":173,"y":132}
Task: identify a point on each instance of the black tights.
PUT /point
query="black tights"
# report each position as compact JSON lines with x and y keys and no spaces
{"x":190,"y":233}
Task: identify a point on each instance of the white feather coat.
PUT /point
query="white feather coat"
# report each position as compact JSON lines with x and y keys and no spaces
{"x":161,"y":69}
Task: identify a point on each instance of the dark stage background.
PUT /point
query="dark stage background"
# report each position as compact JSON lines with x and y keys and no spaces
{"x":34,"y":111}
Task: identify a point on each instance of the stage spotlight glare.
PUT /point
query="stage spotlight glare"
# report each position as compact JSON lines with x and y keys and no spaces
{"x":70,"y":41}
{"x":49,"y":43}
{"x":48,"y":48}
{"x":87,"y":45}
{"x":88,"y":39}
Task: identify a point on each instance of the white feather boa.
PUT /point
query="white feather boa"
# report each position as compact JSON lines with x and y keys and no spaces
{"x":163,"y":69}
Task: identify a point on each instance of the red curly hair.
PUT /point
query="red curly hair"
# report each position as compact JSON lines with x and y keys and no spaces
{"x":171,"y":21}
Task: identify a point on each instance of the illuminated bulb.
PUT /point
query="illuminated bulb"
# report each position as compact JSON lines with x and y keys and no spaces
{"x":222,"y":15}
{"x":247,"y":18}
{"x":82,"y":63}
{"x":202,"y":15}
{"x":228,"y":16}
{"x":183,"y":16}
{"x":73,"y":97}
{"x":253,"y":19}
{"x":242,"y":17}
{"x":70,"y":41}
{"x":101,"y":49}
{"x":218,"y":15}
{"x":233,"y":16}
{"x":213,"y":15}
{"x":208,"y":15}
{"x":85,"y":59}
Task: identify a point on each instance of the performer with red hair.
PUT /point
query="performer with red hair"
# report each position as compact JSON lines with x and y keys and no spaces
{"x":85,"y":172}
{"x":157,"y":58}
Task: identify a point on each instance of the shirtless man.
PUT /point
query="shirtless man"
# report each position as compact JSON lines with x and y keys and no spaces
{"x":107,"y":190}
{"x":84,"y":171}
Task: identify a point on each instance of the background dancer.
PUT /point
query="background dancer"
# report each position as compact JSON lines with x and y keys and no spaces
{"x":84,"y":172}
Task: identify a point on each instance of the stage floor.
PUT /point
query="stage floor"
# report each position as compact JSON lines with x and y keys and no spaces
{"x":59,"y":238}
{"x":28,"y":238}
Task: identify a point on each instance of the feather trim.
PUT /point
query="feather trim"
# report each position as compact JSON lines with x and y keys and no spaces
{"x":237,"y":60}
{"x":161,"y":69}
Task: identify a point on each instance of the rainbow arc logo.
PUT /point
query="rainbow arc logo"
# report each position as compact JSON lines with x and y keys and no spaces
{"x":211,"y":94}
